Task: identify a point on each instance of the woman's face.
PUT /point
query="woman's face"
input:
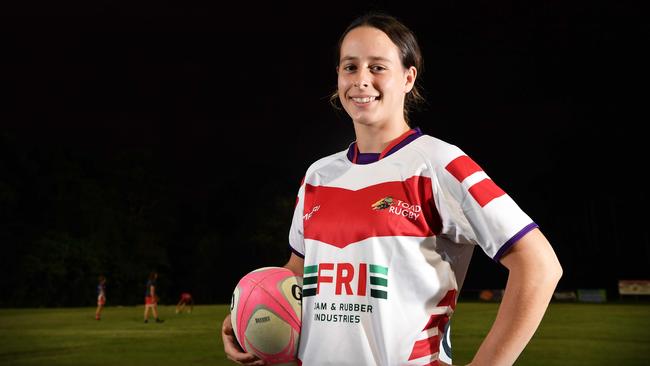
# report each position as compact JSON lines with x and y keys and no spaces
{"x":372,"y":83}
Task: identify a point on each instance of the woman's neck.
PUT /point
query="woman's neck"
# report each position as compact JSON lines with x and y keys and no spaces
{"x":375,"y":138}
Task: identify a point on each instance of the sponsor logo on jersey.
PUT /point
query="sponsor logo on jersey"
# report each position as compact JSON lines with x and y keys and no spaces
{"x":398,"y":207}
{"x":346,"y":279}
{"x":383,"y":203}
{"x":308,"y":216}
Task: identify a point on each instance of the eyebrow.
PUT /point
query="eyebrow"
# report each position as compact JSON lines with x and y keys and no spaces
{"x":373,"y":58}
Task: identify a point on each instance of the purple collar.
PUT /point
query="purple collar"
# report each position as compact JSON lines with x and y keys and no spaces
{"x":357,"y":157}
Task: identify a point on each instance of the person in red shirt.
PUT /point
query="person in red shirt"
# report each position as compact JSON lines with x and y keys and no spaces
{"x":151,"y":298}
{"x":186,"y":302}
{"x":101,"y":297}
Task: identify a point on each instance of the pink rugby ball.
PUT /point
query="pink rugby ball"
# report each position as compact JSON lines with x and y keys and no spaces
{"x":266,"y":314}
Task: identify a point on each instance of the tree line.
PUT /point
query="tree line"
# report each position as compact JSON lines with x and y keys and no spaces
{"x":70,"y":214}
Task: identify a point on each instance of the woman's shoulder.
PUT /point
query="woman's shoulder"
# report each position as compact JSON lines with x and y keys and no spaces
{"x":435,"y":142}
{"x":335,"y":158}
{"x":438,"y":151}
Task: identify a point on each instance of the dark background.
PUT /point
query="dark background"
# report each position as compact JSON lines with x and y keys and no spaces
{"x":146,"y":136}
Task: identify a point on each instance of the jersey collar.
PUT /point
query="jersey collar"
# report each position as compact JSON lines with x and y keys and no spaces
{"x":357,"y":157}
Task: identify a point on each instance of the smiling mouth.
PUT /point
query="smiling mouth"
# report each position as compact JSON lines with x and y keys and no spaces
{"x":364,"y":100}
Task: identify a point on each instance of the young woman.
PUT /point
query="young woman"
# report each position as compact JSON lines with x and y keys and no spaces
{"x":151,"y":298}
{"x":383,"y":232}
{"x":101,"y":297}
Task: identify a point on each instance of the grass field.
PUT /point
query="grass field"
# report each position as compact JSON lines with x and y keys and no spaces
{"x":571,"y":334}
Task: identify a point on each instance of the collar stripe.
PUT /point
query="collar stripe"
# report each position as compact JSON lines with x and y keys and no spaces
{"x":395,"y":145}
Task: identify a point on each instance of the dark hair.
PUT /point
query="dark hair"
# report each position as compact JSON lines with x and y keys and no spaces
{"x":406,"y":42}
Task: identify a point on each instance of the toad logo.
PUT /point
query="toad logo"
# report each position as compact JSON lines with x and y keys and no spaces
{"x":398,"y":207}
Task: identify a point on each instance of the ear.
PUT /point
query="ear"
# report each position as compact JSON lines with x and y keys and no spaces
{"x":411,"y":75}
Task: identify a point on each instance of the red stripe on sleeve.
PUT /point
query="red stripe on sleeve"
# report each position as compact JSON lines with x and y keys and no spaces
{"x":485,"y":191}
{"x":425,"y":347}
{"x":462,"y":167}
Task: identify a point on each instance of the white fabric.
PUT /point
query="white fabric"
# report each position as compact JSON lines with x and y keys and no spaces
{"x":353,"y":327}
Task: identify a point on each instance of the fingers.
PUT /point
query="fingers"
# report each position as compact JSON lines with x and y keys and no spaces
{"x":233,"y":351}
{"x":247,"y":359}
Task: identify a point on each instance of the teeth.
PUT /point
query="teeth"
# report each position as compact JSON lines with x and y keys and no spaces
{"x":364,"y":100}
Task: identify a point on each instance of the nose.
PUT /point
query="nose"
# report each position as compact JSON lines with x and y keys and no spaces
{"x":361,"y":79}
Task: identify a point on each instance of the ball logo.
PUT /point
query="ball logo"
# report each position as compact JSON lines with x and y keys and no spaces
{"x":263,"y":319}
{"x":296,"y":291}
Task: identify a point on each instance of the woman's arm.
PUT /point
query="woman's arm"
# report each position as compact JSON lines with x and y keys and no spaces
{"x":295,"y":264}
{"x":534,"y":272}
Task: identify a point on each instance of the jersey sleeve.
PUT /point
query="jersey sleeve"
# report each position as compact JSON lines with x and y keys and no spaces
{"x":296,"y":233}
{"x":473,"y":209}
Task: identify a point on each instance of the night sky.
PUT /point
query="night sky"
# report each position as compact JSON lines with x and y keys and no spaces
{"x":548,"y":98}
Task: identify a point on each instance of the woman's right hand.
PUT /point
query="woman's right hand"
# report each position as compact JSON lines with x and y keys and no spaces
{"x":232,"y":348}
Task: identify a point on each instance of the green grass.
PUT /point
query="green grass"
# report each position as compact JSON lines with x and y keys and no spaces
{"x":73,"y":337}
{"x":571,"y":334}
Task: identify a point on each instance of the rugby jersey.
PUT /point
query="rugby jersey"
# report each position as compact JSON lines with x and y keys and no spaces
{"x":386,"y":246}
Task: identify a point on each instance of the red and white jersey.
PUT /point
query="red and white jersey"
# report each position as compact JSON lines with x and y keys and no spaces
{"x":386,"y":248}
